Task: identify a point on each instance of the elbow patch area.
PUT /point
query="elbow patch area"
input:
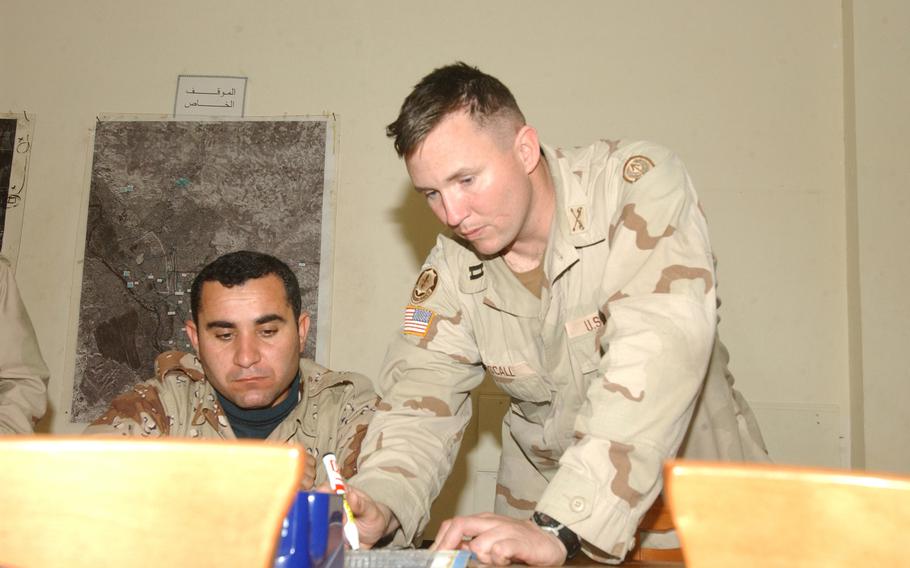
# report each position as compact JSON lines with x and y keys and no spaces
{"x":620,"y":486}
{"x":622,"y":390}
{"x":634,"y":222}
{"x":141,"y":405}
{"x":680,"y":273}
{"x":434,"y":405}
{"x":431,"y":404}
{"x":407,"y":474}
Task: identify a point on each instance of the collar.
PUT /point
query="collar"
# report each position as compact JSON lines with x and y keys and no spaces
{"x":505,"y":292}
{"x":260,"y":422}
{"x":571,"y":171}
{"x":573,"y":224}
{"x":572,"y":228}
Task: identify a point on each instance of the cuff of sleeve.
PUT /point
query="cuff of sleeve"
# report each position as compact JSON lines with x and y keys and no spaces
{"x":606,"y":526}
{"x":404,"y":504}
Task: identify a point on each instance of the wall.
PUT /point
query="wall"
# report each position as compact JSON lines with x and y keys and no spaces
{"x":882,"y":123}
{"x":751,"y":94}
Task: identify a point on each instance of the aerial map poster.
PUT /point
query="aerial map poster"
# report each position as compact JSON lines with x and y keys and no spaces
{"x":15,"y":153}
{"x":7,"y":152}
{"x":166,"y":197}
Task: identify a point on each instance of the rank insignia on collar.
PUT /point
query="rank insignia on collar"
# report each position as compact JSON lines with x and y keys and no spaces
{"x":578,"y":219}
{"x":425,"y":286}
{"x":476,"y":271}
{"x":635,"y":167}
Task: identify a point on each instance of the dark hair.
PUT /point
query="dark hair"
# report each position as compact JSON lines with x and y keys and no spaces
{"x":448,"y":89}
{"x":235,"y":268}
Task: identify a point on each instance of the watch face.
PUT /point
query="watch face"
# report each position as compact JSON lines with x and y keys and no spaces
{"x":544,"y":520}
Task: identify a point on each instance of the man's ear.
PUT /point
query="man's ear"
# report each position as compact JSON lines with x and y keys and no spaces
{"x":192,"y":333}
{"x":528,"y":147}
{"x":303,"y":327}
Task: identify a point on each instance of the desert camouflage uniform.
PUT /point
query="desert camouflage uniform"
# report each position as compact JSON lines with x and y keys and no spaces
{"x":604,"y":371}
{"x":23,"y":374}
{"x":332,"y":415}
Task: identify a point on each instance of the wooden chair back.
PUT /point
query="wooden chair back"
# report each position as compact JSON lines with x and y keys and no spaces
{"x":128,"y":502}
{"x":657,"y":519}
{"x":762,"y":515}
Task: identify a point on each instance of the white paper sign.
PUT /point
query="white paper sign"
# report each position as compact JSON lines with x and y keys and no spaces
{"x":209,"y":95}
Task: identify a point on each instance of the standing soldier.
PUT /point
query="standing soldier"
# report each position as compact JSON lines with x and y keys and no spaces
{"x":583,"y":282}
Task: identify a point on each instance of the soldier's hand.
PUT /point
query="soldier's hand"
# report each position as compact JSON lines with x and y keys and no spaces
{"x":500,"y":540}
{"x":374,"y":520}
{"x":309,"y":472}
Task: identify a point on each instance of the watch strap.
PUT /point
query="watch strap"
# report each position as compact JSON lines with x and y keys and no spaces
{"x":566,"y":535}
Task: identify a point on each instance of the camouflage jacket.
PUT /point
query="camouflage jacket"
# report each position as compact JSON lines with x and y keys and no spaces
{"x":612,"y":371}
{"x":23,"y":374}
{"x":332,"y":415}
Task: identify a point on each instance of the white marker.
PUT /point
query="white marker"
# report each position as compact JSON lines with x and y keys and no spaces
{"x":338,"y":486}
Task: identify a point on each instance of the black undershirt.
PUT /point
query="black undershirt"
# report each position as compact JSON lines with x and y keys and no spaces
{"x":259,"y":422}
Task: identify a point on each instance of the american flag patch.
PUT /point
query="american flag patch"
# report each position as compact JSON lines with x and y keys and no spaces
{"x":417,"y":320}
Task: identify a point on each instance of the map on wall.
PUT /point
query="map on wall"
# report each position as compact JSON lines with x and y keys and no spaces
{"x":7,"y":152}
{"x":167,"y":197}
{"x":15,"y":152}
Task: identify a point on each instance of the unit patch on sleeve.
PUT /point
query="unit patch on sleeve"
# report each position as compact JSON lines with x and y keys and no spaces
{"x":425,"y":286}
{"x":417,"y":320}
{"x":635,"y":167}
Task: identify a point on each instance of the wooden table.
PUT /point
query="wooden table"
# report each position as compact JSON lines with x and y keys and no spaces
{"x":588,"y":563}
{"x":585,"y":562}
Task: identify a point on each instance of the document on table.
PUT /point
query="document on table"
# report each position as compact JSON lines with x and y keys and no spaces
{"x":408,"y":559}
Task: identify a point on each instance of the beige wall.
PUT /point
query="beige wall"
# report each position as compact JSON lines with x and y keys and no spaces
{"x":882,"y":128}
{"x":751,"y":94}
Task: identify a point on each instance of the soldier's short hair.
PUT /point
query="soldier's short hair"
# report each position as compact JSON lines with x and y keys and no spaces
{"x":449,"y":89}
{"x":235,"y":268}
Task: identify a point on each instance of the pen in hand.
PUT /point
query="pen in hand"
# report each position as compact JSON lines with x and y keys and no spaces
{"x":337,"y":484}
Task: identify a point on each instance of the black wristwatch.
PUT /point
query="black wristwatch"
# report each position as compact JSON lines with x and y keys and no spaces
{"x":569,"y":539}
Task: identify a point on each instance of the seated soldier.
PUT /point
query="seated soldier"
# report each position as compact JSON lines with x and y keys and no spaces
{"x":23,"y":374}
{"x":248,"y":379}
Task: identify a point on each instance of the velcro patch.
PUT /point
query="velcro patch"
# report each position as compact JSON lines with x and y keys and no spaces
{"x":425,"y":286}
{"x":578,"y":219}
{"x":507,"y":373}
{"x":635,"y":167}
{"x":417,"y":320}
{"x":584,"y":325}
